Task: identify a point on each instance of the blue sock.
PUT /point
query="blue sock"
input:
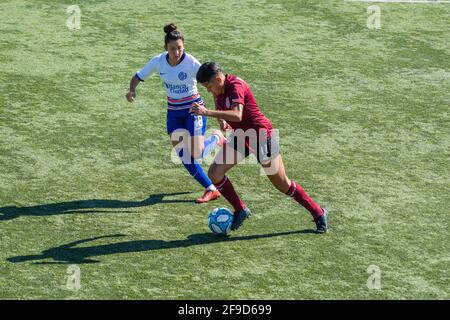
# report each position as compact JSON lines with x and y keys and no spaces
{"x":195,"y":170}
{"x":210,"y":144}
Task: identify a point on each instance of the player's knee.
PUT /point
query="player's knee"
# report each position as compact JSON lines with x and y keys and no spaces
{"x":197,"y":153}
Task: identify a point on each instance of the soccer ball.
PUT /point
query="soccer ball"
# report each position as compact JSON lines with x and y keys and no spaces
{"x":220,"y":220}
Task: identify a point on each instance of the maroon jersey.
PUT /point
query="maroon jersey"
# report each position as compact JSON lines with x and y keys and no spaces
{"x":238,"y":91}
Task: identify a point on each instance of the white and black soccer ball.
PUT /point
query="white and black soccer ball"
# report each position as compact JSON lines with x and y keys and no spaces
{"x":220,"y":220}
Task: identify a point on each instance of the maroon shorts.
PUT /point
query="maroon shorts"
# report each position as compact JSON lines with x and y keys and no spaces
{"x":264,"y":144}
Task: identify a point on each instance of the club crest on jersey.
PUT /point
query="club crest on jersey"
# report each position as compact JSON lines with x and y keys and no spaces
{"x":182,"y":76}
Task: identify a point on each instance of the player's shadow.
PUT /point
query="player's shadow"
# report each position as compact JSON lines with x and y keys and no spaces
{"x":69,"y":253}
{"x":86,"y":206}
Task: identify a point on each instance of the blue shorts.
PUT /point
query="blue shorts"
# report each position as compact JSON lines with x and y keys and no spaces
{"x":183,"y":119}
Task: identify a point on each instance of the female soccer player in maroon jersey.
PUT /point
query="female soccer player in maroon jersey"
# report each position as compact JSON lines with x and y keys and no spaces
{"x":237,"y":108}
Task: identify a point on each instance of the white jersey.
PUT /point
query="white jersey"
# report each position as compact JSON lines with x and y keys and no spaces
{"x":179,"y":81}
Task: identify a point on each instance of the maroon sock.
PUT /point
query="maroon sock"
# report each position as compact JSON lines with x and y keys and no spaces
{"x":297,"y":192}
{"x":227,"y":190}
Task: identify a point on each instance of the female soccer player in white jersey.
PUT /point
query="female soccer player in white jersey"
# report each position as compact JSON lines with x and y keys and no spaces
{"x":177,"y":69}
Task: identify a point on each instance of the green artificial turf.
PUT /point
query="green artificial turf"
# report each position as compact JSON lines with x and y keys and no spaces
{"x":86,"y":178}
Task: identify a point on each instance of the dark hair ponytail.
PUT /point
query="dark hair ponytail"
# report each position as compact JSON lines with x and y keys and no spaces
{"x":171,"y":33}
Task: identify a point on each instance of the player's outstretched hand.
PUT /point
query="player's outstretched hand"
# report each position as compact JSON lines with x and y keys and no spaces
{"x":198,"y":109}
{"x":131,"y":95}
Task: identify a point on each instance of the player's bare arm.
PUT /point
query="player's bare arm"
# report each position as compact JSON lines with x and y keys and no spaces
{"x":134,"y":82}
{"x":233,"y":115}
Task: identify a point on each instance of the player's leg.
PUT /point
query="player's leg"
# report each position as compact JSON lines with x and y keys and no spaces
{"x":200,"y":147}
{"x":276,"y":173}
{"x":196,"y":126}
{"x":196,"y":146}
{"x":226,"y":159}
{"x":194,"y":168}
{"x":180,"y":138}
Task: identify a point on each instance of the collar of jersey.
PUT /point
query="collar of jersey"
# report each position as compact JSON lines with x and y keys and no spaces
{"x":181,"y":60}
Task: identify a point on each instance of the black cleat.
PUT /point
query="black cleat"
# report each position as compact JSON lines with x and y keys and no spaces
{"x":239,"y":218}
{"x":322,"y":222}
